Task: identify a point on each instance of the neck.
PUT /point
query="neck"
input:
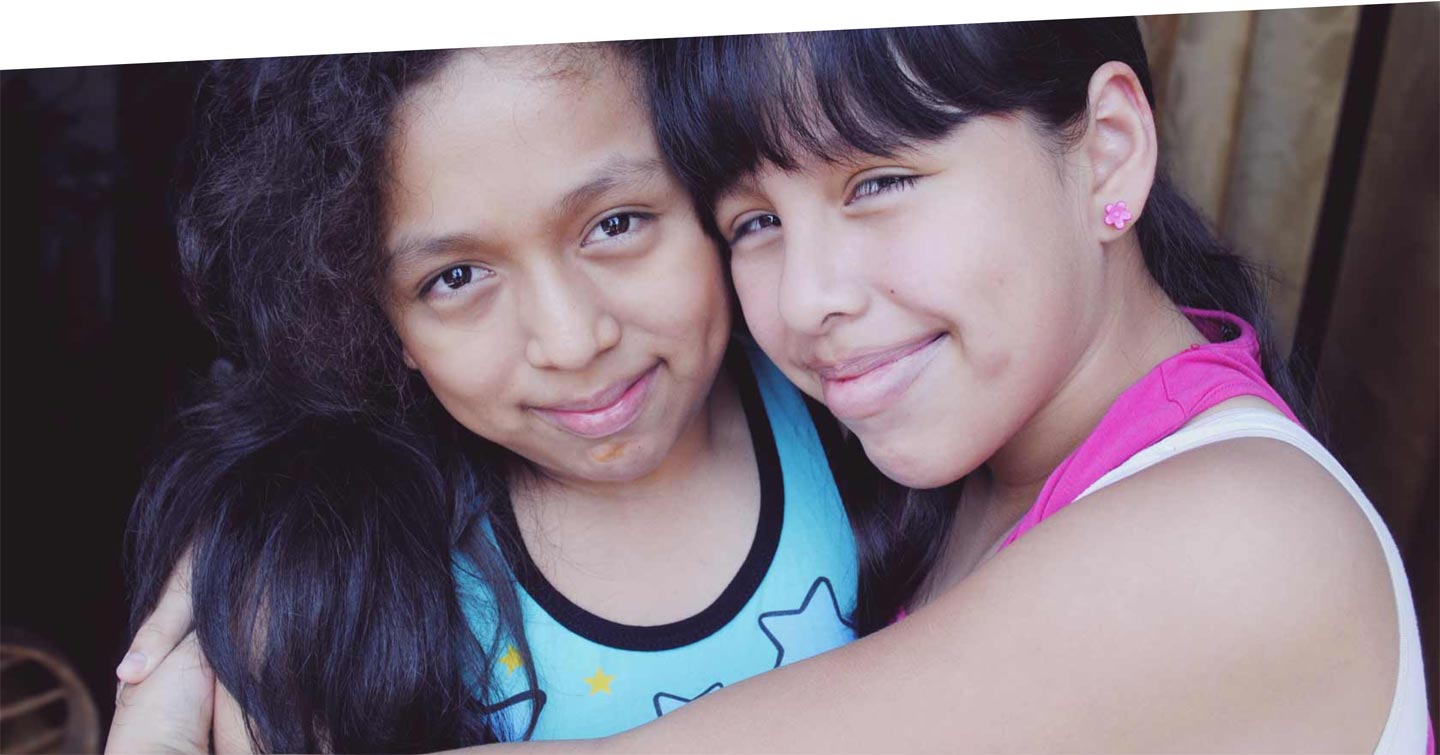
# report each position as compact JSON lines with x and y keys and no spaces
{"x":1139,"y":330}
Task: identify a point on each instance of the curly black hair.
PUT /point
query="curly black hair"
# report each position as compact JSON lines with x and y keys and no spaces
{"x":320,"y":485}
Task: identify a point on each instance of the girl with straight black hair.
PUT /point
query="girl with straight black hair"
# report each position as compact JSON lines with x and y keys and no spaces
{"x":959,"y":240}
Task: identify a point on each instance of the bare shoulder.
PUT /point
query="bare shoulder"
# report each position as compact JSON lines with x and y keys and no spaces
{"x":1231,"y":598}
{"x":1252,"y":546}
{"x":1261,"y":518}
{"x":1260,"y":493}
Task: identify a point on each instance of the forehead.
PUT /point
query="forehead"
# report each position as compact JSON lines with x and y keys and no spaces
{"x":509,"y":131}
{"x":538,"y":100}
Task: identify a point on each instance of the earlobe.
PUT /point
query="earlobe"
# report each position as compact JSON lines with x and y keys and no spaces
{"x":1121,"y":145}
{"x":409,"y":362}
{"x":1117,"y":215}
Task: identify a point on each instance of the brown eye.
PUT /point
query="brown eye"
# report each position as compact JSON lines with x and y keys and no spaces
{"x":757,"y":223}
{"x":456,"y":277}
{"x":453,"y":281}
{"x":881,"y":184}
{"x":617,"y":225}
{"x":766,"y":221}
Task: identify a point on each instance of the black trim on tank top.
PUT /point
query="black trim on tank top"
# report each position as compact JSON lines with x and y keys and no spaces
{"x":730,"y":601}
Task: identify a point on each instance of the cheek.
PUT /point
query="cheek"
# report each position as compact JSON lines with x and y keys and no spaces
{"x":995,"y":277}
{"x":954,"y":282}
{"x":681,"y":296}
{"x":757,"y":287}
{"x":468,"y":371}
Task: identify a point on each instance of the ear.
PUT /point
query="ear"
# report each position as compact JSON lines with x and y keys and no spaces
{"x":1121,"y":146}
{"x":409,"y":361}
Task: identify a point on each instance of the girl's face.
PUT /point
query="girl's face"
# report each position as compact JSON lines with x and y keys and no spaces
{"x":548,"y":277}
{"x":933,"y":300}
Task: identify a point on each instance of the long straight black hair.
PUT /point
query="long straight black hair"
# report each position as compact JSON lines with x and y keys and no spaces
{"x":723,"y":106}
{"x":320,"y":484}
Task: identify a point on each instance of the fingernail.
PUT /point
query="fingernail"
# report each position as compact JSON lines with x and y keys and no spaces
{"x":133,"y":663}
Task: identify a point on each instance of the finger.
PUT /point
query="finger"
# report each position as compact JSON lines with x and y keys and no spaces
{"x":163,"y":629}
{"x":172,"y":711}
{"x":230,"y":734}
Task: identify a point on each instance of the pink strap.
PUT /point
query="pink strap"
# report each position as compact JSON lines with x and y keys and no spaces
{"x":1157,"y":405}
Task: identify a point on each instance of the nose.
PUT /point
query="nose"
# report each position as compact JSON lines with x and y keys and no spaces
{"x":821,"y":280}
{"x":569,"y":322}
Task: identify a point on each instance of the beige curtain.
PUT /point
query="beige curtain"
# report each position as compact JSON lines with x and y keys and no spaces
{"x":1249,"y":102}
{"x":1248,"y":111}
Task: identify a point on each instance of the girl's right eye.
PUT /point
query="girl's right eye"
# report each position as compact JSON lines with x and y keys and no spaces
{"x":453,"y":280}
{"x":754,"y":224}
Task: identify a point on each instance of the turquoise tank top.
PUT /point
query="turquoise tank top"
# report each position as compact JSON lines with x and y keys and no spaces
{"x":791,"y":598}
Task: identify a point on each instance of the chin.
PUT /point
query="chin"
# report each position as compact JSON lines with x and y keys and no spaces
{"x":912,"y":464}
{"x":623,"y":460}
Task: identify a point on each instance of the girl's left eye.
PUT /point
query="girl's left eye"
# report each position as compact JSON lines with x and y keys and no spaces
{"x":615,"y":226}
{"x":881,"y":184}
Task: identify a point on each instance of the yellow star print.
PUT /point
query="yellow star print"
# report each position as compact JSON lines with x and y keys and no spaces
{"x":511,"y":659}
{"x":600,"y":682}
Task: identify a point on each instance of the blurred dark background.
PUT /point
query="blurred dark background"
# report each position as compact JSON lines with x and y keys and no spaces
{"x":99,"y":343}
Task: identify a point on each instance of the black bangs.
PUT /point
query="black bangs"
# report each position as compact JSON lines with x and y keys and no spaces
{"x":725,"y":105}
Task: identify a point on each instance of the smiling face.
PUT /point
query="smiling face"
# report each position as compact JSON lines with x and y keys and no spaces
{"x":549,"y":278}
{"x":934,"y":300}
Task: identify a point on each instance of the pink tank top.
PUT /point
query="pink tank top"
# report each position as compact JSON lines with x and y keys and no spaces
{"x":1157,"y":405}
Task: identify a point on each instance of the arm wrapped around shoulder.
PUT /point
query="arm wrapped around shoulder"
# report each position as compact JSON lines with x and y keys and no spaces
{"x":321,"y":575}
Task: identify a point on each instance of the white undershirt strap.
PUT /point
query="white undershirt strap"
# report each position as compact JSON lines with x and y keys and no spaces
{"x":1406,"y":728}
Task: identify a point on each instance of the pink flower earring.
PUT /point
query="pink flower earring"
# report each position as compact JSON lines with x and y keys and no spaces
{"x":1116,"y":215}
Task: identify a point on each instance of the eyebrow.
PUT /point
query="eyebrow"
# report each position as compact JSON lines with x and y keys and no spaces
{"x":618,"y":171}
{"x":415,"y":252}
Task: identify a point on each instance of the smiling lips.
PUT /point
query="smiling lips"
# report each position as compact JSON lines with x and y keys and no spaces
{"x":866,"y":385}
{"x":605,"y":413}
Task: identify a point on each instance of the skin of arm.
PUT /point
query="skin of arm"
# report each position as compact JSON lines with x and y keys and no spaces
{"x":1180,"y":610}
